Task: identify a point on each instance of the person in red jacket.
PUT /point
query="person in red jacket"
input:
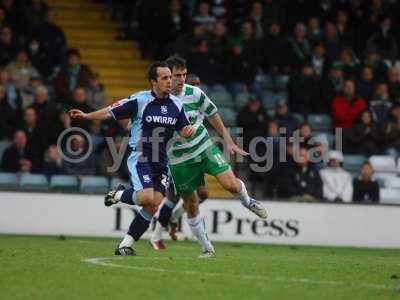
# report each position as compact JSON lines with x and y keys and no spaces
{"x":346,"y":108}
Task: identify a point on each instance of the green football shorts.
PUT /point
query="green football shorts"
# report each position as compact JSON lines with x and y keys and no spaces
{"x":189,"y":175}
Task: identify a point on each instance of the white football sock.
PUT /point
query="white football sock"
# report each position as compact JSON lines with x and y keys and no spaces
{"x":198,"y":229}
{"x":243,"y":196}
{"x":127,"y":241}
{"x":177,"y":213}
{"x":157,"y":233}
{"x":118,"y":195}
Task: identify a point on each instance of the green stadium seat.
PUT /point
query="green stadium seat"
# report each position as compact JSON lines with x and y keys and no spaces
{"x":228,"y":116}
{"x":64,"y":183}
{"x":33,"y":182}
{"x":222,"y":99}
{"x":94,"y":184}
{"x":8,"y":181}
{"x":320,"y":122}
{"x":298,"y":117}
{"x":268,"y":100}
{"x":281,"y":82}
{"x":115,"y":181}
{"x":241,"y":99}
{"x":352,"y":163}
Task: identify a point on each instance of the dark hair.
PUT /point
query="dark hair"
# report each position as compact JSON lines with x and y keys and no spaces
{"x":177,"y":62}
{"x":73,"y":51}
{"x":152,"y":73}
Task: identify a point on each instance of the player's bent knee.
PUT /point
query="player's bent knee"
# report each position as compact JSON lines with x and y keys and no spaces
{"x":202,"y":193}
{"x":146,"y":197}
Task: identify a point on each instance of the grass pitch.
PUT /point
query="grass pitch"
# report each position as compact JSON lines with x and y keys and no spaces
{"x":85,"y":268}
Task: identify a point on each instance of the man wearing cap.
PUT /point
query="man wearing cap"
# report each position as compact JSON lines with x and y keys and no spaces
{"x":337,"y":183}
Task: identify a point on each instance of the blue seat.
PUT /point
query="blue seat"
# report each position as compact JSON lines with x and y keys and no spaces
{"x":282,"y":81}
{"x":352,"y":163}
{"x":222,"y":99}
{"x":228,"y":116}
{"x":320,"y":122}
{"x":115,"y":181}
{"x":242,"y":99}
{"x":8,"y":181}
{"x":33,"y":182}
{"x":268,"y":99}
{"x":94,"y":184}
{"x":298,"y":117}
{"x":64,"y":183}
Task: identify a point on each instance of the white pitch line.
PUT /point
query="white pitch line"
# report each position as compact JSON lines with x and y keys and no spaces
{"x":102,"y":261}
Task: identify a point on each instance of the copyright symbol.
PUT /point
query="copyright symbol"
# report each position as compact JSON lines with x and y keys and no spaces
{"x":74,"y":145}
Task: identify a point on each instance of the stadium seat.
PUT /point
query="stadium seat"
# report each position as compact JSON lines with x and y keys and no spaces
{"x":298,"y":117}
{"x":269,"y":100}
{"x":393,"y":182}
{"x":383,"y":178}
{"x":33,"y":182}
{"x":281,"y":82}
{"x":228,"y":115}
{"x":241,"y":99}
{"x":222,"y":99}
{"x":94,"y":184}
{"x":320,"y":122}
{"x":115,"y":181}
{"x":389,"y":196}
{"x":8,"y":181}
{"x":64,"y":183}
{"x":352,"y":163}
{"x":383,"y":163}
{"x":4,"y":144}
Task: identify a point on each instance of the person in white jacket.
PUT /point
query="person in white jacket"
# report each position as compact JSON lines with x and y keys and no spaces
{"x":337,"y":182}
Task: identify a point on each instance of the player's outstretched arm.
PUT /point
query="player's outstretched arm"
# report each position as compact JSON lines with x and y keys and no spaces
{"x":217,"y":123}
{"x":101,"y":114}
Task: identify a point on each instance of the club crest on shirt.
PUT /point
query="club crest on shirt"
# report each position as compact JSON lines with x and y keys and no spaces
{"x":164,"y":109}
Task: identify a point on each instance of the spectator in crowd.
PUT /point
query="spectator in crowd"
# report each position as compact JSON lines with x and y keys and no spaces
{"x":331,"y":41}
{"x":299,"y":181}
{"x":394,"y":83}
{"x":349,"y":63}
{"x":284,"y":118}
{"x":8,"y":46}
{"x":384,"y":40}
{"x":305,"y":134}
{"x":193,"y":79}
{"x":96,"y":93}
{"x":71,"y":76}
{"x":344,"y":29}
{"x":27,"y":94}
{"x":300,"y":48}
{"x":79,"y":147}
{"x":252,"y":119}
{"x":275,"y":48}
{"x":39,"y":58}
{"x":366,"y":83}
{"x":79,"y":101}
{"x":314,"y":32}
{"x":303,"y":91}
{"x":346,"y":108}
{"x":337,"y":183}
{"x":21,"y":70}
{"x":203,"y":63}
{"x":8,"y":118}
{"x":62,"y":122}
{"x":332,"y":85}
{"x":366,"y":188}
{"x":36,"y":135}
{"x":392,"y":133}
{"x":45,"y":109}
{"x":365,"y":136}
{"x":379,"y":68}
{"x":19,"y":157}
{"x":52,"y":164}
{"x":381,"y":103}
{"x":106,"y":160}
{"x":204,"y":16}
{"x":219,"y":41}
{"x":319,"y":62}
{"x":260,"y":23}
{"x":13,"y":95}
{"x":51,"y":40}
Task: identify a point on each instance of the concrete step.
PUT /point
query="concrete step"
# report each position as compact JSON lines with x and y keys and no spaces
{"x":123,"y":83}
{"x":92,"y":15}
{"x":78,"y":5}
{"x":121,"y":73}
{"x":112,"y":45}
{"x":106,"y":54}
{"x":88,"y":25}
{"x":91,"y":36}
{"x":111,"y":63}
{"x":123,"y":92}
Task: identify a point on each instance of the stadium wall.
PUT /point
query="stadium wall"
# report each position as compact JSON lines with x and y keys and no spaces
{"x":227,"y":220}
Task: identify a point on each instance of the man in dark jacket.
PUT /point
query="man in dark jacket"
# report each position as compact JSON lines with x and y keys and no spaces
{"x":299,"y":181}
{"x":366,"y":189}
